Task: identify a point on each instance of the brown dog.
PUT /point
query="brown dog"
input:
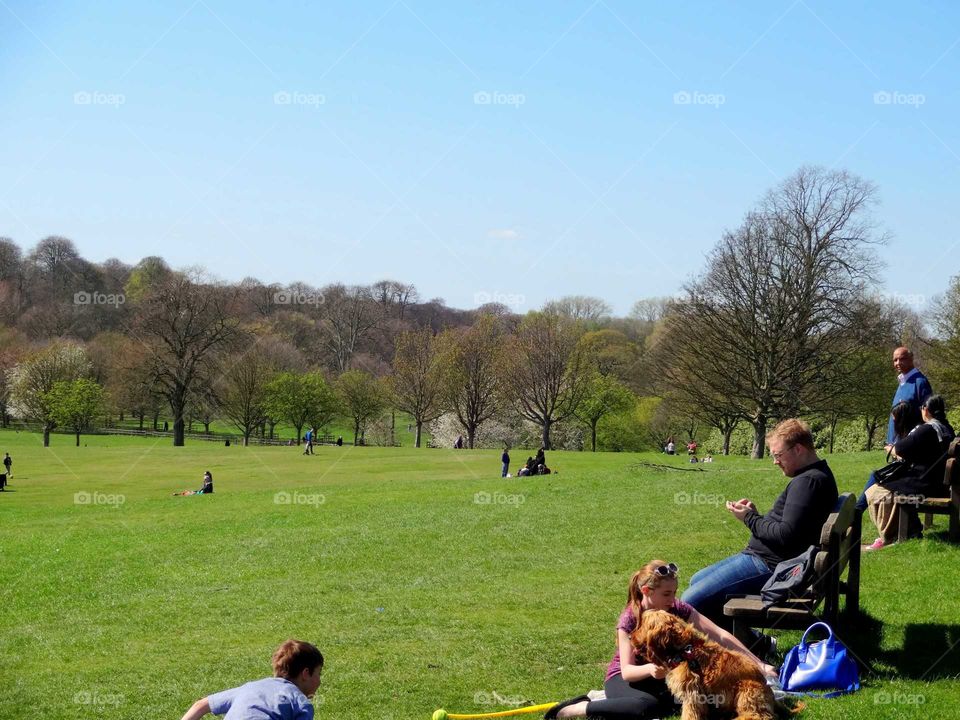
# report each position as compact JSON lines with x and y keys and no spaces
{"x":705,"y":677}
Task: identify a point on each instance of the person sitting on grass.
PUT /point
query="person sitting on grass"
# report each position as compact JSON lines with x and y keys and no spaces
{"x":285,"y":696}
{"x":205,"y":490}
{"x":634,"y":687}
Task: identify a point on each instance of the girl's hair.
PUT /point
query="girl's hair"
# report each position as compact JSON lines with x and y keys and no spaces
{"x":647,"y":576}
{"x":936,"y":407}
{"x":906,"y":417}
{"x":295,"y":656}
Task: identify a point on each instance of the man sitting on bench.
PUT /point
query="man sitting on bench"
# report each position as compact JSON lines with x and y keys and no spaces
{"x":791,"y":526}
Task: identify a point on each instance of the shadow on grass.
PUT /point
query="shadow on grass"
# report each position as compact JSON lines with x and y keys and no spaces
{"x":931,"y":651}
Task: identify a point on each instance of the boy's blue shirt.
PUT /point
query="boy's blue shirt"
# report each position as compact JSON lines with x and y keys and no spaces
{"x":268,"y":699}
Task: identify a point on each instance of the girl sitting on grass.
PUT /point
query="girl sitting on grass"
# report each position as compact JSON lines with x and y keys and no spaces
{"x":634,"y":687}
{"x":205,"y":490}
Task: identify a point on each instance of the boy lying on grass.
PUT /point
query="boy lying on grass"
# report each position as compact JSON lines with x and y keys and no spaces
{"x":296,"y":670}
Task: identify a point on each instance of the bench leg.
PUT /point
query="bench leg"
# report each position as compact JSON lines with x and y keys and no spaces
{"x":903,"y":529}
{"x":954,"y":525}
{"x":928,"y":521}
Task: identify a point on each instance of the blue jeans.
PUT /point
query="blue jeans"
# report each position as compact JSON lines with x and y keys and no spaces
{"x":739,"y":574}
{"x":506,"y":467}
{"x":862,"y":500}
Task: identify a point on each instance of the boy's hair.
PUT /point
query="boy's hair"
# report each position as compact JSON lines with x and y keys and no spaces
{"x":792,"y":432}
{"x":295,"y":656}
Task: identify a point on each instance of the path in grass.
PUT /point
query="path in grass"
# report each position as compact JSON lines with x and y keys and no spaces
{"x":425,"y":578}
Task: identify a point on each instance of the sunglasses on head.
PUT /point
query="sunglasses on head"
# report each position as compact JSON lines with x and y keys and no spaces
{"x":668,"y":570}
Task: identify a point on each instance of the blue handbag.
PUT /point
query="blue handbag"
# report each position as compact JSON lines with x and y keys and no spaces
{"x":823,"y":665}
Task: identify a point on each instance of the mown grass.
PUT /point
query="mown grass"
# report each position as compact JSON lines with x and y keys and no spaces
{"x":420,"y":593}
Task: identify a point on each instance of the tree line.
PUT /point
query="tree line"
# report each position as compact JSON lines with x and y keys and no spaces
{"x":785,"y":318}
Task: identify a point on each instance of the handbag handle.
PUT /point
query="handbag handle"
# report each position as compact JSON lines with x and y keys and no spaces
{"x":803,"y":640}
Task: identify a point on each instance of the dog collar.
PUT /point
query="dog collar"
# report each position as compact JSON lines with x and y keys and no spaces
{"x":687,"y":655}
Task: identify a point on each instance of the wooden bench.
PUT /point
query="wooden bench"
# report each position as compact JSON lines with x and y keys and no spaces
{"x":836,"y":574}
{"x":948,"y":505}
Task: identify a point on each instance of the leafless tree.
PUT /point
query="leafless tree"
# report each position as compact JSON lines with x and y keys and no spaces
{"x":472,"y":368}
{"x":544,"y":371}
{"x":184,"y":321}
{"x":350,"y":314}
{"x":770,"y":321}
{"x":417,"y":378}
{"x":579,"y":307}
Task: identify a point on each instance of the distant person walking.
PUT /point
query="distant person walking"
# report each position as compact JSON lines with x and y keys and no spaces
{"x":308,"y":448}
{"x":8,"y":463}
{"x":505,"y":459}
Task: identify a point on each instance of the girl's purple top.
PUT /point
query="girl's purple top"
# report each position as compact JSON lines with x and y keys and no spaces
{"x":628,"y":623}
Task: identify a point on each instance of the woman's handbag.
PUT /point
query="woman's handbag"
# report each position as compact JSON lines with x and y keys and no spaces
{"x":891,"y":471}
{"x":823,"y":665}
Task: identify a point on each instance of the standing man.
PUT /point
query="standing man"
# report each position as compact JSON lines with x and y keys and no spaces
{"x":308,"y":447}
{"x":914,"y":387}
{"x":8,"y":463}
{"x":505,"y":459}
{"x":791,"y":526}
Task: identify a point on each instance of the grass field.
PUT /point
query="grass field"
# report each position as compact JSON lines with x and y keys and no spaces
{"x":426,"y":579}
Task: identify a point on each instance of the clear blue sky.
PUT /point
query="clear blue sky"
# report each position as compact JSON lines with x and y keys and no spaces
{"x":347,"y":141}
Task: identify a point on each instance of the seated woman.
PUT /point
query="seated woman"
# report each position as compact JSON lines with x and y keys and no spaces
{"x":922,"y":445}
{"x":634,"y":687}
{"x":205,"y":490}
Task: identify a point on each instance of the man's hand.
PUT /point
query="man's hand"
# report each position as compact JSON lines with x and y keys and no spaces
{"x":738,"y":509}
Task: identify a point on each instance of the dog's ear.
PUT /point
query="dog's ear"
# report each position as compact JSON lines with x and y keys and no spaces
{"x":654,"y":634}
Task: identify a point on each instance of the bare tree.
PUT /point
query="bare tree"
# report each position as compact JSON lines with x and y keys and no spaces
{"x":770,"y":320}
{"x":363,"y":397}
{"x":472,"y":367}
{"x":184,"y":322}
{"x":243,"y":389}
{"x":579,"y":307}
{"x":417,"y":378}
{"x":350,"y":314}
{"x":544,"y":371}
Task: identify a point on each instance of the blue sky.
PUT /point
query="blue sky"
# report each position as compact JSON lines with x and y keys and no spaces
{"x":488,"y":150}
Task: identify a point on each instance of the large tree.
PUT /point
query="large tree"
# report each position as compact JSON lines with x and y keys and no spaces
{"x":472,"y":360}
{"x":32,"y":380}
{"x":183,"y":322}
{"x":544,"y":370}
{"x":772,"y":317}
{"x":76,"y":404}
{"x":301,"y":398}
{"x":243,"y":389}
{"x":417,"y":380}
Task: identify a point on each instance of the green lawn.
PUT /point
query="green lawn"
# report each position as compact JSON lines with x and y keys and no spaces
{"x":426,"y":579}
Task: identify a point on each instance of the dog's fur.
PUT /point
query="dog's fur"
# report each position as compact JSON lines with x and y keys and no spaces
{"x":709,"y":678}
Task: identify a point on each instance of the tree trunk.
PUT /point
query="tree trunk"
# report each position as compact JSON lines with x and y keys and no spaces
{"x":141,"y":421}
{"x":545,"y":437}
{"x":416,"y":442}
{"x":471,"y":436}
{"x":246,"y":438}
{"x":759,"y":436}
{"x":393,"y":424}
{"x":78,"y":438}
{"x":121,"y":416}
{"x":46,"y":434}
{"x":726,"y":441}
{"x":178,"y":432}
{"x":871,"y":433}
{"x":356,"y":433}
{"x":156,"y":417}
{"x":299,"y":433}
{"x":273,"y":425}
{"x":833,"y":430}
